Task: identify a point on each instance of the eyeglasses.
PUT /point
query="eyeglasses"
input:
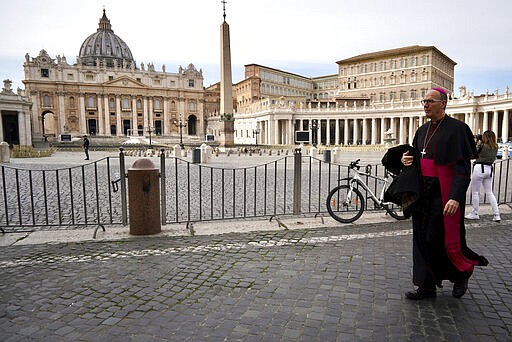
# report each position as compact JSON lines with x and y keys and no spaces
{"x":429,"y":101}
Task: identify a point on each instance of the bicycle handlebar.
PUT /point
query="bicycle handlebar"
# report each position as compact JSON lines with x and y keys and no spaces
{"x":354,"y":164}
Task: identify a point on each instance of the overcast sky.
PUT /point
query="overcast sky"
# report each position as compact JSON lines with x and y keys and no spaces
{"x":302,"y":37}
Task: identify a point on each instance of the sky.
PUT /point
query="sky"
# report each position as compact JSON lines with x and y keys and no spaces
{"x":298,"y":36}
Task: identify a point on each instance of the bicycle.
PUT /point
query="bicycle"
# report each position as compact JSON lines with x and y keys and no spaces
{"x":346,"y":203}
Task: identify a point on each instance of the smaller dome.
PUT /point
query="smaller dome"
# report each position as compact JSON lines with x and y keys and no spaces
{"x":104,"y":44}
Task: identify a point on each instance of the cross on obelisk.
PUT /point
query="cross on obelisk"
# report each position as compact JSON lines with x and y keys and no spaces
{"x":224,"y":9}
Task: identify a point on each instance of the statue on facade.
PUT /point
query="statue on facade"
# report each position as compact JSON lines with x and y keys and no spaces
{"x":462,"y":92}
{"x":7,"y":87}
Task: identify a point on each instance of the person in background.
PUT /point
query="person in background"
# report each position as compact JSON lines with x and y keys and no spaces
{"x":446,"y":147}
{"x":85,"y":145}
{"x":483,"y":175}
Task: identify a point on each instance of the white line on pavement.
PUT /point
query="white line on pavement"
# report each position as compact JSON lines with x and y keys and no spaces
{"x":27,"y":261}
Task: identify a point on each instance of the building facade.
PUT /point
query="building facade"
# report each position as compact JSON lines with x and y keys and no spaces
{"x":374,"y":99}
{"x":15,"y":109}
{"x":106,"y":94}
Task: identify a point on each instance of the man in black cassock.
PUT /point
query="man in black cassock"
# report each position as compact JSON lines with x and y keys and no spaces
{"x":445,"y":146}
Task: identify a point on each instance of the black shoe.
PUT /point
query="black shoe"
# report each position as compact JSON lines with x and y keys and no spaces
{"x":460,"y":287}
{"x":421,"y":294}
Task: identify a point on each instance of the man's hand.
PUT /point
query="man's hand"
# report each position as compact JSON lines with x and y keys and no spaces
{"x":407,"y":159}
{"x":451,"y":207}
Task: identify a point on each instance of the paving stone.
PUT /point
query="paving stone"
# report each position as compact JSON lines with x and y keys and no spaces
{"x":282,"y":285}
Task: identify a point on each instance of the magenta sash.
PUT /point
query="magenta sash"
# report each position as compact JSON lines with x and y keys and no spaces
{"x":451,"y":223}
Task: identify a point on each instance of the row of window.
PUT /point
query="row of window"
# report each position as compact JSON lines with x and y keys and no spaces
{"x":90,"y":77}
{"x":125,"y":103}
{"x":385,"y":65}
{"x":353,"y":83}
{"x":402,"y":96}
{"x":291,"y":81}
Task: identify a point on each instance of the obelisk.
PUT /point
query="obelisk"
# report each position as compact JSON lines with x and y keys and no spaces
{"x":226,"y":85}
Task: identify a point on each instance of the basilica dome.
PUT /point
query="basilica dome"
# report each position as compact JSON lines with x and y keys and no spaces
{"x":105,"y":46}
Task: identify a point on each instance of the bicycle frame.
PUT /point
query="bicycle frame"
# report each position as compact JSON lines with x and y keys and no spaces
{"x":357,"y":179}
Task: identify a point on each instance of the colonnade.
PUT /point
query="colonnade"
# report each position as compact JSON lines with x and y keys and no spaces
{"x":109,"y":114}
{"x":365,"y":127}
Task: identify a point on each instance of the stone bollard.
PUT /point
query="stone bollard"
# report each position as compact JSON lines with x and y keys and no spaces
{"x":205,"y":153}
{"x":313,"y":151}
{"x":177,"y":150}
{"x":5,"y":153}
{"x":144,"y":198}
{"x":337,"y":155}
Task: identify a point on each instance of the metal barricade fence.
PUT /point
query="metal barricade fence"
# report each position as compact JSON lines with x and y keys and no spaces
{"x":66,"y":197}
{"x":96,"y":193}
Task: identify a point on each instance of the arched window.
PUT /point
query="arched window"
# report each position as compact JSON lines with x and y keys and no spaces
{"x":157,"y":104}
{"x":90,"y":102}
{"x":192,"y":106}
{"x":112,"y":103}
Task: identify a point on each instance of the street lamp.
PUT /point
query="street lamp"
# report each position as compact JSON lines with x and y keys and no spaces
{"x":314,"y":128}
{"x":150,"y":130}
{"x":255,"y":133}
{"x":180,"y":124}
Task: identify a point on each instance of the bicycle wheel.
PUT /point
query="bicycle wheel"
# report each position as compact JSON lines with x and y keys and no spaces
{"x":345,"y":205}
{"x":396,"y":212}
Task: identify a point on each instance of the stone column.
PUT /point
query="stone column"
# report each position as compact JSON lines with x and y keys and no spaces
{"x":277,"y":132}
{"x":135,"y":129}
{"x":472,"y":122}
{"x":411,"y":130}
{"x":101,"y":125}
{"x":146,"y":119}
{"x":327,"y":132}
{"x":355,"y":132}
{"x":26,"y":127}
{"x":365,"y":132}
{"x":505,"y":129}
{"x":319,"y":133}
{"x":337,"y":133}
{"x":401,"y":131}
{"x":36,"y":116}
{"x":392,"y":126}
{"x":291,"y":132}
{"x":310,"y":129}
{"x":62,"y":115}
{"x":382,"y":130}
{"x":119,"y":113}
{"x":495,"y":123}
{"x":106,"y":113}
{"x":166,"y":120}
{"x":82,"y":120}
{"x":151,"y":119}
{"x":374,"y":132}
{"x":466,"y":119}
{"x":485,"y":125}
{"x":345,"y":132}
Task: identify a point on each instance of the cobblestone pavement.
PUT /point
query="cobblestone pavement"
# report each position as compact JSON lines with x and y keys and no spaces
{"x":340,"y":283}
